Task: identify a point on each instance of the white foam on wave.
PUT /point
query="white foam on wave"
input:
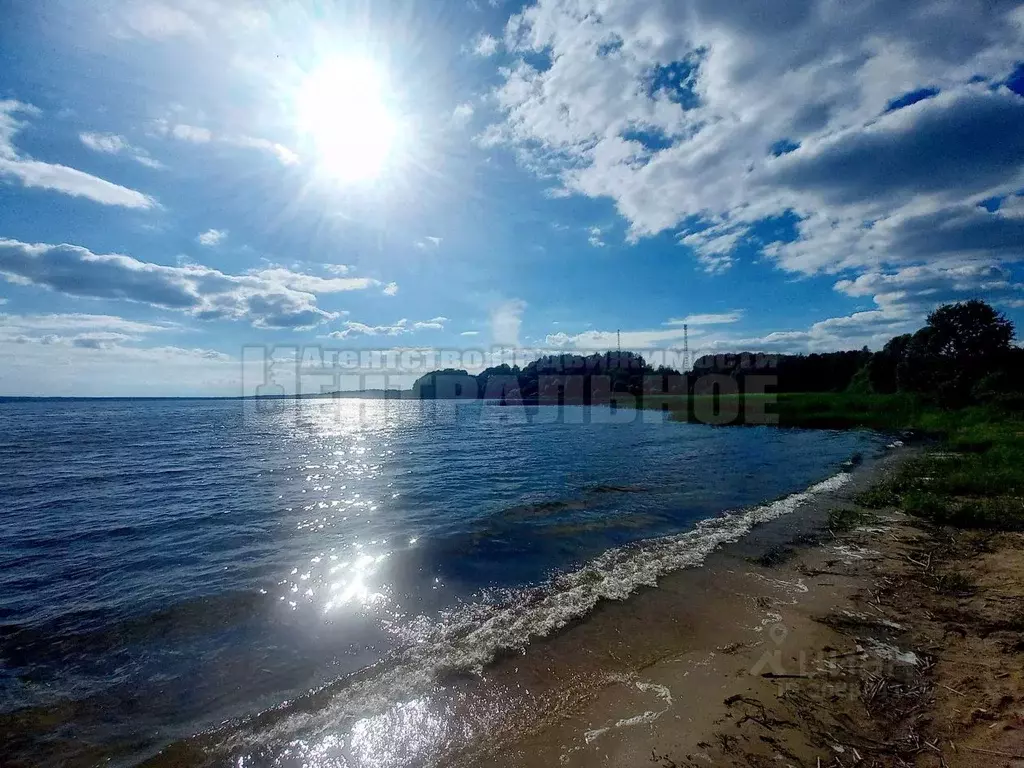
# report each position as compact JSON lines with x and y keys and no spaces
{"x":469,"y":639}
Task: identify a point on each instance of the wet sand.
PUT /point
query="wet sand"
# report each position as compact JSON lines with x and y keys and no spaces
{"x":795,"y":646}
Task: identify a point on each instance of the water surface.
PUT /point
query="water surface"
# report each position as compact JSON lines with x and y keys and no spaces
{"x":166,"y":566}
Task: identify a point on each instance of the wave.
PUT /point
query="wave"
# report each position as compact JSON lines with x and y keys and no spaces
{"x":465,"y":640}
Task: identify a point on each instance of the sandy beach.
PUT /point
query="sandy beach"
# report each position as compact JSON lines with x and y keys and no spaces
{"x":800,"y":645}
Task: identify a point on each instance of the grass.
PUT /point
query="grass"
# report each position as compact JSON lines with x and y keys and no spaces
{"x":975,"y":478}
{"x":842,"y":520}
{"x":954,"y":583}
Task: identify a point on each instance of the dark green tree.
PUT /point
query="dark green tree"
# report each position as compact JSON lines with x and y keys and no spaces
{"x":881,"y":369}
{"x":961,"y":344}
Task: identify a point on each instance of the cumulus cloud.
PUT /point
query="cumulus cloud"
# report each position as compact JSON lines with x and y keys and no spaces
{"x":55,"y":177}
{"x":902,"y":300}
{"x":920,"y":288}
{"x":270,"y":298}
{"x":485,"y":45}
{"x":353,"y":328}
{"x":212,"y":237}
{"x":398,"y":328}
{"x":595,"y":238}
{"x":707,"y":117}
{"x":391,"y":289}
{"x":956,"y":144}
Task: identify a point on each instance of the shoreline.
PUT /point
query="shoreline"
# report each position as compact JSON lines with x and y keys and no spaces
{"x":529,"y":662}
{"x":794,"y":645}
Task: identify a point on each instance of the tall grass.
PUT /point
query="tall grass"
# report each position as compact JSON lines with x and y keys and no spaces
{"x":974,"y":480}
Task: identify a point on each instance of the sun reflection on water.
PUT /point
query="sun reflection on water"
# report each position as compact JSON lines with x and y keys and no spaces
{"x":344,"y":449}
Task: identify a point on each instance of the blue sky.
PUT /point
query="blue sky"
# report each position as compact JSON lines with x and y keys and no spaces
{"x":181,"y":180}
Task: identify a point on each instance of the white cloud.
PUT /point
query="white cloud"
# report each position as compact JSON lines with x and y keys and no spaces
{"x":202,"y":135}
{"x":715,"y":245}
{"x":114,"y":144}
{"x":672,"y":108}
{"x":608,"y":340}
{"x":79,"y":330}
{"x":212,"y":237}
{"x":353,"y":328}
{"x":104,"y":367}
{"x":930,"y":148}
{"x":109,"y":143}
{"x":902,"y":300}
{"x":710,"y":319}
{"x":195,"y":134}
{"x":391,"y":289}
{"x":470,"y":333}
{"x":285,"y":155}
{"x":429,"y":243}
{"x":398,"y":328}
{"x":595,"y":237}
{"x":270,"y":298}
{"x":311,"y":283}
{"x":433,"y":324}
{"x":506,"y":320}
{"x":462,"y":114}
{"x":917,"y":289}
{"x":54,"y":177}
{"x":485,"y":45}
{"x":157,"y":20}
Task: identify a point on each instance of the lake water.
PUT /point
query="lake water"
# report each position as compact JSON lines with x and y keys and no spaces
{"x":170,"y":567}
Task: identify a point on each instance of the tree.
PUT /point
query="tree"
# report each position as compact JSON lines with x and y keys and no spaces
{"x":961,"y":344}
{"x":881,"y":369}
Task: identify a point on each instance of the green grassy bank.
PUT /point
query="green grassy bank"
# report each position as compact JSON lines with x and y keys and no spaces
{"x":971,"y":476}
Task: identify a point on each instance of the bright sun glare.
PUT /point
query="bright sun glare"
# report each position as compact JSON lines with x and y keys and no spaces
{"x":342,"y":108}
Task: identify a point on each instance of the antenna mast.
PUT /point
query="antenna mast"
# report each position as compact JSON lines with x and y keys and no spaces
{"x":618,"y":335}
{"x":686,"y":346}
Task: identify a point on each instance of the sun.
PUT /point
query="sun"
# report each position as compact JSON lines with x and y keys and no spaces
{"x":342,"y":109}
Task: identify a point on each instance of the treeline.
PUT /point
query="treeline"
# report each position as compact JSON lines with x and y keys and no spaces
{"x":565,"y":377}
{"x":818,"y":372}
{"x":965,"y":353}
